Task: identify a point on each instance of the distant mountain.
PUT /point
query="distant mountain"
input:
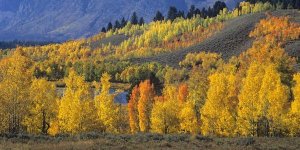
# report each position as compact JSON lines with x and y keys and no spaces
{"x":58,"y":20}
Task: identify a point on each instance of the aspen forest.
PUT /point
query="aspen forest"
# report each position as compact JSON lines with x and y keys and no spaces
{"x":93,"y":85}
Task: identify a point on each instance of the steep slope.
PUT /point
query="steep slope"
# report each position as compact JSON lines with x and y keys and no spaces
{"x":68,"y":19}
{"x":231,"y":41}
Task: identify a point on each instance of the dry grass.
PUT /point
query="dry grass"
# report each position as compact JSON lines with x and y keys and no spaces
{"x":145,"y":141}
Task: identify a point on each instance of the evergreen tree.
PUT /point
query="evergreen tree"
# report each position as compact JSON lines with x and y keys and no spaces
{"x":159,"y":16}
{"x":210,"y":12}
{"x":197,"y":11}
{"x":123,"y":22}
{"x":191,"y":12}
{"x":218,"y":6}
{"x":117,"y":25}
{"x":172,"y":13}
{"x":134,"y":19}
{"x":103,"y":30}
{"x":180,"y":14}
{"x":204,"y":12}
{"x":142,"y":21}
{"x":109,"y":26}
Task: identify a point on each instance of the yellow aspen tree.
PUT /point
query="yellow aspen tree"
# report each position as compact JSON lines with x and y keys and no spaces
{"x":15,"y":80}
{"x":248,"y":114}
{"x":218,"y":114}
{"x":145,"y":105}
{"x":273,"y":101}
{"x":43,"y":107}
{"x":198,"y":85}
{"x":133,"y":110}
{"x":70,"y":113}
{"x":108,"y":112}
{"x":294,"y":115}
{"x":164,"y":116}
{"x":188,"y":119}
{"x":89,"y":121}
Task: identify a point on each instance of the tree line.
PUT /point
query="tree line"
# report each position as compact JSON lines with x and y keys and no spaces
{"x":172,"y":14}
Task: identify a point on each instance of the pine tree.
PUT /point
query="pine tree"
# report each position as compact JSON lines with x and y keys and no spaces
{"x":117,"y":25}
{"x":159,"y":16}
{"x":109,"y":26}
{"x":123,"y":22}
{"x":218,"y":6}
{"x":191,"y":12}
{"x":134,"y":19}
{"x":142,"y":21}
{"x":172,"y":13}
{"x":103,"y":30}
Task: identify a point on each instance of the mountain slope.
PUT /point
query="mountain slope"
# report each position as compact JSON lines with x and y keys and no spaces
{"x":68,"y":19}
{"x":230,"y":41}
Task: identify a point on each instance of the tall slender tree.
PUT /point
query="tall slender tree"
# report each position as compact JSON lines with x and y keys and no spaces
{"x":133,"y":110}
{"x":134,"y":19}
{"x":145,"y":105}
{"x":159,"y":16}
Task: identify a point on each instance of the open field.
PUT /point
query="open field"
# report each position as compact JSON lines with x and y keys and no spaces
{"x":145,"y":141}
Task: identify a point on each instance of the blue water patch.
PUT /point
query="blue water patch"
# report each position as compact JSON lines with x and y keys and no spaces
{"x":121,"y":98}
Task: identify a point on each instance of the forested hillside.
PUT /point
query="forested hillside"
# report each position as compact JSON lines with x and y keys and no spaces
{"x":57,"y":20}
{"x":224,"y":75}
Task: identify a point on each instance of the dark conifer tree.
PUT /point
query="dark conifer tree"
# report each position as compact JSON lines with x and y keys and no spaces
{"x":159,"y":16}
{"x":109,"y":26}
{"x":117,"y":25}
{"x":141,"y":21}
{"x":209,"y":12}
{"x":103,"y":30}
{"x":218,"y":6}
{"x":197,"y":11}
{"x":123,"y":22}
{"x":180,"y":14}
{"x":204,"y":12}
{"x":172,"y":13}
{"x":191,"y":12}
{"x":134,"y":19}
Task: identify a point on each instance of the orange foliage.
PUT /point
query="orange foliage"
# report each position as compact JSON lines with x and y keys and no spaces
{"x":145,"y":104}
{"x":133,"y":110}
{"x":182,"y":93}
{"x":270,"y":35}
{"x":276,"y":30}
